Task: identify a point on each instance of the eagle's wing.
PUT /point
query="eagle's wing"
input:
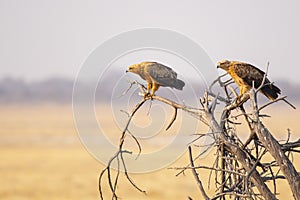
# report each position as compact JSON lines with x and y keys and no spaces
{"x":249,"y":74}
{"x":253,"y":75}
{"x":162,"y":74}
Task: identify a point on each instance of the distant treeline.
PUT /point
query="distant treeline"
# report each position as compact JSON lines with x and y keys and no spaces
{"x":59,"y":90}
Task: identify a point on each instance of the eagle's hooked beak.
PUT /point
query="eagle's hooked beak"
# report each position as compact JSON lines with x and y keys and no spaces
{"x":126,"y":71}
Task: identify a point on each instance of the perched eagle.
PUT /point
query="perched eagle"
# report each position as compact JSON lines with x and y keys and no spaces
{"x":245,"y":75}
{"x":156,"y":75}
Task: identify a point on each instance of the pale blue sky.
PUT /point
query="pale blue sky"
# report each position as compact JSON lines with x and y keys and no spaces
{"x":40,"y":39}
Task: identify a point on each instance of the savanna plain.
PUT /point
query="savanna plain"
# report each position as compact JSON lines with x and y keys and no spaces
{"x":42,"y":158}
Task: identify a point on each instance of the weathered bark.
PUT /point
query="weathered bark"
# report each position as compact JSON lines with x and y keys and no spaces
{"x":243,"y":159}
{"x":271,"y":144}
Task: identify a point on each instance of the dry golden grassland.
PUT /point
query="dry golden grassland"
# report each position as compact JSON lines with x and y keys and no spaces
{"x":42,"y":158}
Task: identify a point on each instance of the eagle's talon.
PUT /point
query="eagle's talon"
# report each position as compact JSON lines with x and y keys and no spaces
{"x":151,"y":96}
{"x":147,"y":95}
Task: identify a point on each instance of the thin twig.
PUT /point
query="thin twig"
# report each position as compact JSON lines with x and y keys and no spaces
{"x":209,"y":168}
{"x":271,"y":102}
{"x":137,"y":142}
{"x":173,"y":119}
{"x":199,"y":183}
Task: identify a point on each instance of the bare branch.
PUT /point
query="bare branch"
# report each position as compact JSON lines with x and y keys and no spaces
{"x":209,"y":168}
{"x":128,"y":177}
{"x":199,"y":183}
{"x":137,"y":142}
{"x":222,"y":84}
{"x":271,"y":102}
{"x":173,"y":119}
{"x":119,"y":155}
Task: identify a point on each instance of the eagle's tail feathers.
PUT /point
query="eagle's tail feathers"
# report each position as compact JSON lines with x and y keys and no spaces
{"x":271,"y":91}
{"x":179,"y":84}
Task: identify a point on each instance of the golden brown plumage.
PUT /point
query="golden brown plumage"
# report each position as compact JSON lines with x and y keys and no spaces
{"x":246,"y":75}
{"x":156,"y":75}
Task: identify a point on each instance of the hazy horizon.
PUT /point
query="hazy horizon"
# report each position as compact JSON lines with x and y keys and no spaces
{"x":59,"y":90}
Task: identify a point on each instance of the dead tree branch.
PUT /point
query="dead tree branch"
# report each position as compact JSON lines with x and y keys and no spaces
{"x":272,"y":145}
{"x":238,"y":173}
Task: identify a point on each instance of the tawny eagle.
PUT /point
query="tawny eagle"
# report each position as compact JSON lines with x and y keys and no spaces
{"x":156,"y":75}
{"x":246,"y":75}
